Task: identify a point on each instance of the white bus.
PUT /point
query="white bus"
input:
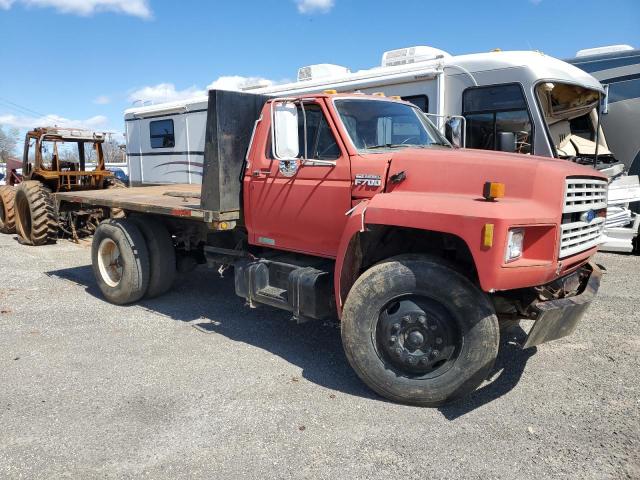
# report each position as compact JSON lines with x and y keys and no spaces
{"x":524,"y":102}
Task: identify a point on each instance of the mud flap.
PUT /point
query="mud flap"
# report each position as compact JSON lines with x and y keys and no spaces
{"x":558,"y":318}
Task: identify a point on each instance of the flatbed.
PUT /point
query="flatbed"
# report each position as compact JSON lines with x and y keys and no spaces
{"x":176,"y":200}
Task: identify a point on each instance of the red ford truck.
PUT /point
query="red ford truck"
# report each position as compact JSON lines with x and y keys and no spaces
{"x":356,"y":206}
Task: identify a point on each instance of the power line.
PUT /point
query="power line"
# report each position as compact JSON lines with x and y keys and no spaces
{"x":24,"y":109}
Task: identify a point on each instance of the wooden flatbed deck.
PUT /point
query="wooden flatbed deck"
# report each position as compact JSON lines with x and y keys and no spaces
{"x":177,"y":200}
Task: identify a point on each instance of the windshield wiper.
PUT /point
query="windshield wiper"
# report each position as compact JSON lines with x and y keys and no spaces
{"x":387,"y":145}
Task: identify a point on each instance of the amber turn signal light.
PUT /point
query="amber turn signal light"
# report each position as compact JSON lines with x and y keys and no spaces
{"x":493,"y":190}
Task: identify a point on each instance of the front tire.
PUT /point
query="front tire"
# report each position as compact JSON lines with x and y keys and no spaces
{"x":36,"y":219}
{"x":417,"y":332}
{"x":120,"y":261}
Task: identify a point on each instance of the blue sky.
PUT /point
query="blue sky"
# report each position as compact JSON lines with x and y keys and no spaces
{"x":85,"y":61}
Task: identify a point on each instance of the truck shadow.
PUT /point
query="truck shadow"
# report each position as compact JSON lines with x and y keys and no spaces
{"x":208,"y":303}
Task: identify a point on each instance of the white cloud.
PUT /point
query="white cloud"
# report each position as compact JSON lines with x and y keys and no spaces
{"x":167,"y":92}
{"x":236,"y":82}
{"x":102,"y":100}
{"x":98,"y":122}
{"x":136,"y":8}
{"x":163,"y":92}
{"x":315,"y":6}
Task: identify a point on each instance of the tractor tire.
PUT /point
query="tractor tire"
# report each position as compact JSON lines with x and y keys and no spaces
{"x":162,"y":255}
{"x":7,"y":210}
{"x":120,"y":261}
{"x":35,"y":215}
{"x":418,"y":332}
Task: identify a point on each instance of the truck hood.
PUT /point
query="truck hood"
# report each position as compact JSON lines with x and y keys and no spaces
{"x":465,"y":171}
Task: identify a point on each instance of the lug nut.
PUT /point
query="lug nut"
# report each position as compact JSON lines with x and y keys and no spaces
{"x":433,"y":327}
{"x":438,"y":340}
{"x":435,"y":353}
{"x":406,"y":318}
{"x":396,"y":327}
{"x":424,"y":360}
{"x":411,"y":360}
{"x":393,"y":339}
{"x":422,"y":319}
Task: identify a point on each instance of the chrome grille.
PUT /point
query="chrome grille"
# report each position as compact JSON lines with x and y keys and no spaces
{"x":581,"y":196}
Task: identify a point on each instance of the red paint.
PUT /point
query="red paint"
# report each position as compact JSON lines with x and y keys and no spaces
{"x":442,"y":192}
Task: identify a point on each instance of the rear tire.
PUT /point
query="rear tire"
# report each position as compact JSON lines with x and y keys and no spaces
{"x":162,"y":255}
{"x":417,"y":332}
{"x":7,"y":210}
{"x":35,"y":215}
{"x":120,"y":261}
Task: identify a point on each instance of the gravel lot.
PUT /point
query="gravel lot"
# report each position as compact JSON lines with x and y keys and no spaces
{"x":195,"y":385}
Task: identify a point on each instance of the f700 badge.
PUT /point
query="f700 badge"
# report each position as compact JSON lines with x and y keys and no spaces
{"x":367,"y":180}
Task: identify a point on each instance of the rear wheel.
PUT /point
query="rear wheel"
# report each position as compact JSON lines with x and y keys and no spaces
{"x":162,"y":255}
{"x":7,"y":211}
{"x":120,"y":261}
{"x":35,"y":216}
{"x":418,"y":332}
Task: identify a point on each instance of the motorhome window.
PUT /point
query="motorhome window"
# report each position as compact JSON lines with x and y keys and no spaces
{"x":161,"y":134}
{"x":620,"y":91}
{"x":495,"y":109}
{"x":376,"y":125}
{"x":321,"y":144}
{"x":420,"y":101}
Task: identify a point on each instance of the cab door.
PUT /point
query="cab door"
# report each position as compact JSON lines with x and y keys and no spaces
{"x":300,"y":206}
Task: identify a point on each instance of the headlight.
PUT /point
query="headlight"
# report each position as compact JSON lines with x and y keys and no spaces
{"x":515,"y":243}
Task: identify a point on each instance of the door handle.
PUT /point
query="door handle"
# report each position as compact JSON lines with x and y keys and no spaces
{"x":262,"y":171}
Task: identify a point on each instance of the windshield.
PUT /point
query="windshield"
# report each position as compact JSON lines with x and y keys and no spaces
{"x":377,"y":125}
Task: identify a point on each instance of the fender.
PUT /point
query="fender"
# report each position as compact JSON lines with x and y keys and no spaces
{"x":464,"y":216}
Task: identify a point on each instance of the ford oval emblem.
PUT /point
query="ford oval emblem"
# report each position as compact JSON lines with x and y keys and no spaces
{"x":588,"y":216}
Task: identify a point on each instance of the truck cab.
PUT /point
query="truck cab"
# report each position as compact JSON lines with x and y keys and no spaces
{"x":355,"y":206}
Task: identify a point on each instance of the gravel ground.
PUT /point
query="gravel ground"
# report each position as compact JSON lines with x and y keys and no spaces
{"x":195,"y":385}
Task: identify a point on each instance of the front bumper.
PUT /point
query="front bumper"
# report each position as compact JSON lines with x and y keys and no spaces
{"x":555,"y":319}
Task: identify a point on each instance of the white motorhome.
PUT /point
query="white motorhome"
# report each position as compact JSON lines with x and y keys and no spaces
{"x":524,"y":102}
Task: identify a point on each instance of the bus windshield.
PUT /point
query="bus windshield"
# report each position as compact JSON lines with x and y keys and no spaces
{"x":378,"y":125}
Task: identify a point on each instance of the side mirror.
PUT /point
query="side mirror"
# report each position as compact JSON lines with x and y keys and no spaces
{"x":286,"y":144}
{"x":453,"y":132}
{"x":506,"y":142}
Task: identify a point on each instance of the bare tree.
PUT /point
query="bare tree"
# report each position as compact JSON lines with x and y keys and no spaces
{"x":113,"y":151}
{"x":8,"y":143}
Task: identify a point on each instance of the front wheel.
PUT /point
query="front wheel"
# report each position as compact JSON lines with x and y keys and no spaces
{"x":417,"y":332}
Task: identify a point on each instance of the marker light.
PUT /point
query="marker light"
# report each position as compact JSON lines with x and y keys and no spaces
{"x":493,"y":190}
{"x":515,"y":243}
{"x":378,"y":94}
{"x":330,"y":92}
{"x":487,"y":235}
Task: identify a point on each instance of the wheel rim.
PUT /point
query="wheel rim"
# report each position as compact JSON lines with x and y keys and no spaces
{"x":110,"y":262}
{"x":417,"y":337}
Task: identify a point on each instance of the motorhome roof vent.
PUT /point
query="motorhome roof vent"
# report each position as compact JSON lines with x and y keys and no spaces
{"x":322,"y":70}
{"x":602,"y":50}
{"x":404,"y":56}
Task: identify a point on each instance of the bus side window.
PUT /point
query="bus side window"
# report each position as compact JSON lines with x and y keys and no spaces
{"x":494,"y":109}
{"x":420,"y":101}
